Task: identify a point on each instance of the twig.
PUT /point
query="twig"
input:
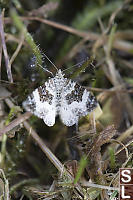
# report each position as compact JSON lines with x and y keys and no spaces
{"x":126,"y":145}
{"x":22,"y":183}
{"x":17,"y":49}
{"x":62,"y":27}
{"x":15,"y":123}
{"x":0,"y":57}
{"x":7,"y":63}
{"x":111,"y":90}
{"x":126,"y":134}
{"x":118,"y":44}
{"x":10,"y":37}
{"x":6,"y":186}
{"x":87,"y":184}
{"x":120,"y":139}
{"x":44,"y":148}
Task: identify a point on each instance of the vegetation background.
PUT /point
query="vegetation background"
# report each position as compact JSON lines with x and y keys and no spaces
{"x":94,"y":41}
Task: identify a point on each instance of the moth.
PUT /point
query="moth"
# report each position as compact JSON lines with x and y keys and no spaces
{"x":63,"y":97}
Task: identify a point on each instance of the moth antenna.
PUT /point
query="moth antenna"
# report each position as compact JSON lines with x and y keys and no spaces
{"x":50,"y":61}
{"x":45,"y":69}
{"x":74,"y":65}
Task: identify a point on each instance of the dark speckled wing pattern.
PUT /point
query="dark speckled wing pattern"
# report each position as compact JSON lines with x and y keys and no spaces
{"x":76,"y":102}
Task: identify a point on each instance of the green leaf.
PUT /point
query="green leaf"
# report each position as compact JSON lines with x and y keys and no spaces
{"x":82,"y":165}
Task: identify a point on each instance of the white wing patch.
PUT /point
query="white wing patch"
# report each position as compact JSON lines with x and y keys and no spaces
{"x":78,"y":102}
{"x":42,"y":104}
{"x":60,"y":96}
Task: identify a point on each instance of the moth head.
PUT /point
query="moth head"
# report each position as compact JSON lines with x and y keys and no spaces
{"x":59,"y":74}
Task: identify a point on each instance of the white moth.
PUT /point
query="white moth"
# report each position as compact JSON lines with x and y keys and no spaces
{"x":63,"y":97}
